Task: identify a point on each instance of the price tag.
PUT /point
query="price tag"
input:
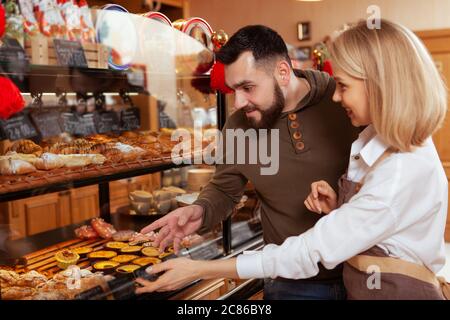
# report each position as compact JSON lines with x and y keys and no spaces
{"x":70,"y":53}
{"x":48,"y":123}
{"x":107,"y":122}
{"x":130,"y":119}
{"x":12,"y":54}
{"x":18,"y":127}
{"x":70,"y":122}
{"x":86,"y":125}
{"x":79,"y":125}
{"x":14,"y":62}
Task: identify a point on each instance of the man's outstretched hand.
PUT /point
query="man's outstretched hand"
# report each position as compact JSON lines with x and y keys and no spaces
{"x":176,"y":225}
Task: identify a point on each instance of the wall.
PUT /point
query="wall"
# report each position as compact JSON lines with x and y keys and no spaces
{"x":325,"y":16}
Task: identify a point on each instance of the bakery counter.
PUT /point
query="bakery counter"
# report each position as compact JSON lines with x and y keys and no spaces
{"x":22,"y":247}
{"x":35,"y":257}
{"x":18,"y":187}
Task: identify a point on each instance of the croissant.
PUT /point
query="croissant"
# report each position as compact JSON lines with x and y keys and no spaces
{"x":26,"y":146}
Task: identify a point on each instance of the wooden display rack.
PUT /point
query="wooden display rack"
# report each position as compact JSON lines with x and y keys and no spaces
{"x":40,"y":50}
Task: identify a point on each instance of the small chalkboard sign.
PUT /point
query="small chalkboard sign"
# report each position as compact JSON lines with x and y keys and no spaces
{"x":14,"y":62}
{"x":48,"y":123}
{"x":107,"y":121}
{"x":86,"y":125}
{"x":79,"y":125}
{"x":70,"y":122}
{"x":18,"y":127}
{"x":11,"y":52}
{"x":130,"y":119}
{"x":70,"y":53}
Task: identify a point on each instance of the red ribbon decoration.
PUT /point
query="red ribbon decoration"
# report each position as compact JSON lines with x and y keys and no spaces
{"x":218,"y":78}
{"x":327,"y":67}
{"x":11,"y":101}
{"x":2,"y":20}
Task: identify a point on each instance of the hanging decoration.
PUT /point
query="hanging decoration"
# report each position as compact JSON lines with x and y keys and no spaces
{"x":219,"y":38}
{"x":321,"y":59}
{"x":2,"y":20}
{"x":11,"y":101}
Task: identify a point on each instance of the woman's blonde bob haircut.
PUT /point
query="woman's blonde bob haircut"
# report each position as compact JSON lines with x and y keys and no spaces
{"x":407,"y":96}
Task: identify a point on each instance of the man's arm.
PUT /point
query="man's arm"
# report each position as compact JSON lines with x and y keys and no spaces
{"x":221,"y":195}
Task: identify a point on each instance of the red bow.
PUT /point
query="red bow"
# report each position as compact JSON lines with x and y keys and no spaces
{"x":218,"y":78}
{"x":11,"y":100}
{"x":2,"y":20}
{"x":327,"y":67}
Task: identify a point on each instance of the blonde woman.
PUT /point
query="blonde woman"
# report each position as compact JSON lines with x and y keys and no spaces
{"x":388,"y":222}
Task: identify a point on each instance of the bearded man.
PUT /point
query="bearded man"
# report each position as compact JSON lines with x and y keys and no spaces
{"x":315,"y":136}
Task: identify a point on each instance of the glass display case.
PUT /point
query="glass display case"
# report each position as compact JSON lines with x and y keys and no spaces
{"x":111,"y":138}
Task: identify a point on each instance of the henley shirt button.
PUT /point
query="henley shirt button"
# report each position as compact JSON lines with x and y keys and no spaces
{"x":292,"y":116}
{"x":356,"y":157}
{"x":300,"y":145}
{"x":297,"y":135}
{"x":294,"y":125}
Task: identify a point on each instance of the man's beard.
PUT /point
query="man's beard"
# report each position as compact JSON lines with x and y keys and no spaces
{"x":270,"y":115}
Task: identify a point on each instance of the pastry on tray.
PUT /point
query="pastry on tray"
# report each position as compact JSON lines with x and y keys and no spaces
{"x":131,"y":249}
{"x":115,"y":245}
{"x":13,"y":167}
{"x":124,"y":258}
{"x":26,"y":146}
{"x":31,"y":279}
{"x":13,"y":155}
{"x":123,"y":235}
{"x":82,"y":251}
{"x":127,"y":269}
{"x":17,"y":293}
{"x":106,"y":267}
{"x":146,"y":261}
{"x":86,"y":232}
{"x":151,"y":252}
{"x":66,"y":258}
{"x":102,"y":255}
{"x":49,"y":161}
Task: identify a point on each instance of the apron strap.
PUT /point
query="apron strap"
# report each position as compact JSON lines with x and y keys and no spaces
{"x":398,"y":266}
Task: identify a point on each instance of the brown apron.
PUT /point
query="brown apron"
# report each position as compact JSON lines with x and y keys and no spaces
{"x":395,"y":279}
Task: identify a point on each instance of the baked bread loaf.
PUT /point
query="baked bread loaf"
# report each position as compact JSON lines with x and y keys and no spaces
{"x":13,"y":167}
{"x":49,"y":161}
{"x":17,"y":293}
{"x":31,"y":279}
{"x":30,"y":158}
{"x":81,"y":160}
{"x":8,"y":278}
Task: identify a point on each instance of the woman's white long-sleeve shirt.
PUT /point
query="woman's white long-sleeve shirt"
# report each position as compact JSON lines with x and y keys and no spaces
{"x":401,"y":208}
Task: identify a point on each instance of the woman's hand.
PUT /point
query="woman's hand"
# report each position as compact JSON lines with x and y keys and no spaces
{"x":322,"y":199}
{"x":178,"y":273}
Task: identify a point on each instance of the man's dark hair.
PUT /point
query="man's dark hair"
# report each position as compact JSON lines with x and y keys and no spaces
{"x":264,"y":43}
